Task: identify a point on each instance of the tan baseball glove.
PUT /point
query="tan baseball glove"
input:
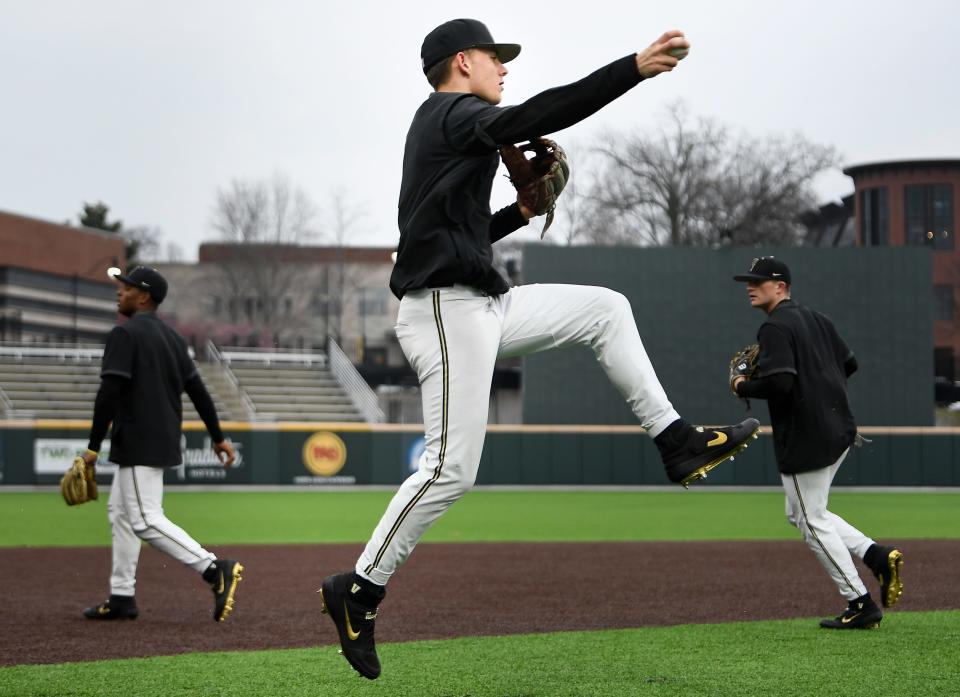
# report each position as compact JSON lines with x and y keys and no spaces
{"x":79,"y":483}
{"x":744,"y":363}
{"x":539,"y":179}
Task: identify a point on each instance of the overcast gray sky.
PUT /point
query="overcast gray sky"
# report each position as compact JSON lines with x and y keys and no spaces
{"x":151,"y":107}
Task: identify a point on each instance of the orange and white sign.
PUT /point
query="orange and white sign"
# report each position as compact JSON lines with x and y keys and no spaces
{"x":324,"y":454}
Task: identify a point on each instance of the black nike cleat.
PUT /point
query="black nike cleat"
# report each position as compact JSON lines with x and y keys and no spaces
{"x":224,"y":584}
{"x":861,"y":613}
{"x":116,"y":607}
{"x":695,"y":451}
{"x":886,"y":565}
{"x":354,"y":622}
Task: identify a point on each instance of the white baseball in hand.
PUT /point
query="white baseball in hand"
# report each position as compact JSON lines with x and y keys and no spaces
{"x":679,"y":53}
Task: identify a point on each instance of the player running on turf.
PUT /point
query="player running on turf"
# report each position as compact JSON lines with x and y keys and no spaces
{"x":802,"y":372}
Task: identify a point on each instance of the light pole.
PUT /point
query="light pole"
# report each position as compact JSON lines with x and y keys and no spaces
{"x":363,"y":326}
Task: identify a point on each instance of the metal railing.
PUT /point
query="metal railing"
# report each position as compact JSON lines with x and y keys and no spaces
{"x":357,"y":389}
{"x":74,"y":352}
{"x":216,"y":358}
{"x":268,"y":356}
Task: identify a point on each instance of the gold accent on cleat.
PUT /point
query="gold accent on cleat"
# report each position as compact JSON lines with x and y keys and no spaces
{"x":701,"y":472}
{"x":323,"y":603}
{"x":719,"y":440}
{"x":350,"y":632}
{"x":235,"y":578}
{"x":895,"y":589}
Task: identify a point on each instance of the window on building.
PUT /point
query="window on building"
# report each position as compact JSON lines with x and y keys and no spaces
{"x":929,"y":211}
{"x":874,"y":217}
{"x":373,"y":301}
{"x":943,"y":302}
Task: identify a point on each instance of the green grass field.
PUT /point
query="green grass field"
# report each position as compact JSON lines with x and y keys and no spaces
{"x":918,"y":654}
{"x":915,"y":656}
{"x":41,"y":519}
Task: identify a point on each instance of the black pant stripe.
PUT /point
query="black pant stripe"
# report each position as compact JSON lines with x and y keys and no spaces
{"x":813,"y":532}
{"x":443,"y":436}
{"x":143,"y":517}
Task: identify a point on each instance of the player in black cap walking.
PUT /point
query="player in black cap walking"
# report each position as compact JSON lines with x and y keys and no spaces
{"x":458,"y":314}
{"x":802,"y":372}
{"x":146,"y":368}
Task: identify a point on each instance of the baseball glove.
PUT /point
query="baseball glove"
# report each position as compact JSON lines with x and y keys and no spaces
{"x":744,"y":363}
{"x":539,"y":179}
{"x":79,"y":483}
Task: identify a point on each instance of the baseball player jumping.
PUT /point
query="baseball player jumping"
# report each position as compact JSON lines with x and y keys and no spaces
{"x":458,"y":315}
{"x":802,"y":371}
{"x":146,"y":368}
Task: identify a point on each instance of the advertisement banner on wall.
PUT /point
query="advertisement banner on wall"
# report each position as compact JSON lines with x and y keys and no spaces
{"x":52,"y":457}
{"x":200,"y":464}
{"x":324,"y":455}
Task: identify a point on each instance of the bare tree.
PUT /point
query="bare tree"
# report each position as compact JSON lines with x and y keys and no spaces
{"x":340,"y":221}
{"x":568,"y":228}
{"x":264,"y":218}
{"x":764,"y":190}
{"x":142,"y":241}
{"x":694,"y":184}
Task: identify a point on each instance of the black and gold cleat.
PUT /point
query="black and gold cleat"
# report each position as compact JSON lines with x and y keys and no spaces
{"x":224,"y":584}
{"x":341,"y":599}
{"x":690,"y":453}
{"x":886,"y":564}
{"x":116,"y":607}
{"x":861,"y":613}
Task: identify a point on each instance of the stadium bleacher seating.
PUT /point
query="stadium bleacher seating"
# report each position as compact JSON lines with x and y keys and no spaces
{"x":60,"y":382}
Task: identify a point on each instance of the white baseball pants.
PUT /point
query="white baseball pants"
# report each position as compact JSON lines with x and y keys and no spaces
{"x":135,"y":511}
{"x":452,"y":338}
{"x":832,"y":539}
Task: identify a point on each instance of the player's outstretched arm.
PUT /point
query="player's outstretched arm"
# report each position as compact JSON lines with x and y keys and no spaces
{"x":663,"y":54}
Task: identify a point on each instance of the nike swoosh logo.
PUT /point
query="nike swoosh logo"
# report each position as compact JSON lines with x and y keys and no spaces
{"x":719,"y":440}
{"x":346,"y":615}
{"x":847,"y":620}
{"x":103,"y":610}
{"x":220,"y":587}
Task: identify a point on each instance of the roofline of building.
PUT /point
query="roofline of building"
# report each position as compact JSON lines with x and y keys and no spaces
{"x":234,"y":251}
{"x":75,"y":228}
{"x":854,"y":170}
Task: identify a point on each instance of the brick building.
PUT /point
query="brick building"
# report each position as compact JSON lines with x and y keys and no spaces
{"x":914,"y":203}
{"x":53,"y":281}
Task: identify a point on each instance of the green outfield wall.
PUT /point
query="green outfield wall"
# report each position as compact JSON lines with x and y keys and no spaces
{"x":692,"y":317}
{"x":331,"y":455}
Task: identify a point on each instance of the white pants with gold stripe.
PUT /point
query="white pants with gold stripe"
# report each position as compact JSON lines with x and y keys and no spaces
{"x":833,"y":540}
{"x":136,"y":513}
{"x":452,"y":338}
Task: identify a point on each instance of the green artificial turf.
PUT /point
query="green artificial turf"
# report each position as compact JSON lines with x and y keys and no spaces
{"x":912,"y":654}
{"x":42,"y":519}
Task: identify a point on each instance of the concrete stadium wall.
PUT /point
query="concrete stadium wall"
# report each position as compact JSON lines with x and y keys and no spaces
{"x":334,"y":455}
{"x":692,"y":317}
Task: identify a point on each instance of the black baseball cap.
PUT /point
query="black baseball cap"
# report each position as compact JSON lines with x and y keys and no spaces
{"x":145,"y":278}
{"x":766,"y":269}
{"x":459,"y":35}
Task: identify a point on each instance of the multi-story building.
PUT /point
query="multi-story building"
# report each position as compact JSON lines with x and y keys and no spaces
{"x":914,"y":202}
{"x":53,"y":281}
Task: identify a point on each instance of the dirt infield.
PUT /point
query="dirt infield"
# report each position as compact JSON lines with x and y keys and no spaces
{"x":445,"y":590}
